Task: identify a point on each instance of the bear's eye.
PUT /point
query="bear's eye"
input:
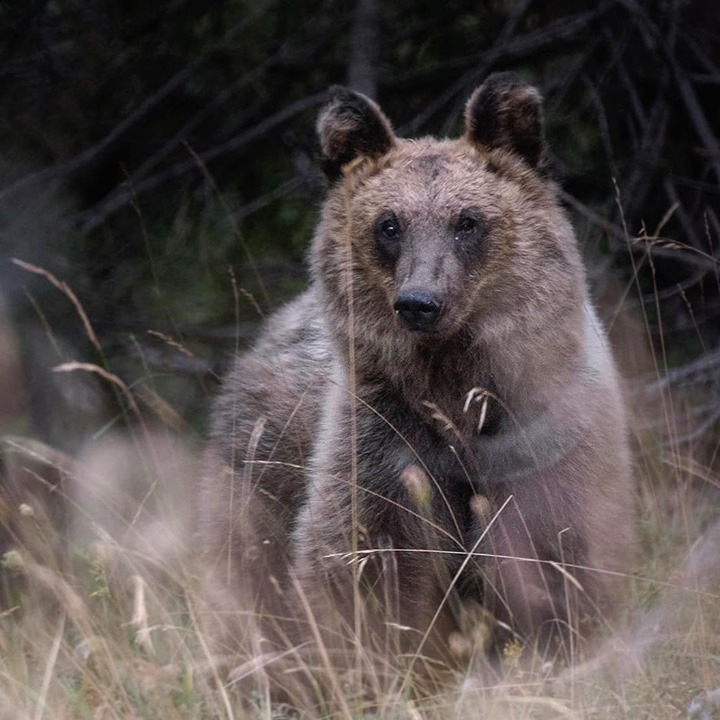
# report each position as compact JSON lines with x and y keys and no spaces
{"x":467,"y":225}
{"x":388,"y":233}
{"x":390,"y":227}
{"x":470,"y":230}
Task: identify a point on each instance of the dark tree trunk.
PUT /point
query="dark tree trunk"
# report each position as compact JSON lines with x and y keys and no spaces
{"x":362,"y":66}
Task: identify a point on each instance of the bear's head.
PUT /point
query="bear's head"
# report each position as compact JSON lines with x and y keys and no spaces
{"x":424,"y":240}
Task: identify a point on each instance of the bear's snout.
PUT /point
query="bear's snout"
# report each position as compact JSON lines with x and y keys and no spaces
{"x":419,"y":309}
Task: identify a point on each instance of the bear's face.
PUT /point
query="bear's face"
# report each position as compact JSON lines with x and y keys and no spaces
{"x":436,"y":231}
{"x":442,"y":234}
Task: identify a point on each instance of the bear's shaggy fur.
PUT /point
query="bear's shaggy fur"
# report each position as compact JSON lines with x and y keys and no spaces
{"x":437,"y":421}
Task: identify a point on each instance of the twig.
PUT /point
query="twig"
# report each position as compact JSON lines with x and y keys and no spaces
{"x":286,"y":188}
{"x":226,"y":94}
{"x":110,"y":377}
{"x":86,"y":156}
{"x":689,"y":97}
{"x":64,"y":288}
{"x":94,"y":218}
{"x":705,"y":367}
{"x":613,"y":230}
{"x":563,"y":29}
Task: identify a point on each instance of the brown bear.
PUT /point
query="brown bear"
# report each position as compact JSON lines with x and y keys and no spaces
{"x":437,"y":422}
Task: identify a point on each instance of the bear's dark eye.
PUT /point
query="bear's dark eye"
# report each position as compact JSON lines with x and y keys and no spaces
{"x":470,"y":229}
{"x":466,"y":225}
{"x":388,"y":233}
{"x":390,"y":227}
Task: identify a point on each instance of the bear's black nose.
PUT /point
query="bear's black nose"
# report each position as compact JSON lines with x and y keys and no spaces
{"x":420,"y":310}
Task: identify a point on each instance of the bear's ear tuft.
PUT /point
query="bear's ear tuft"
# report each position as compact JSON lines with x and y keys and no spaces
{"x":505,"y":112}
{"x":350,"y":126}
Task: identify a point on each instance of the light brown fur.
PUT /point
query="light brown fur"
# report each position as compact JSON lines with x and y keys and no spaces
{"x":510,"y":403}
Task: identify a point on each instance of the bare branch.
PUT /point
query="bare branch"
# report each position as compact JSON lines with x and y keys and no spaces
{"x":88,"y":155}
{"x":504,"y":50}
{"x":697,"y":115}
{"x":94,"y":217}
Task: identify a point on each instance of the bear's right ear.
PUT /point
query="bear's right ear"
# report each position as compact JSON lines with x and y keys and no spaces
{"x":505,"y":112}
{"x":351,"y":126}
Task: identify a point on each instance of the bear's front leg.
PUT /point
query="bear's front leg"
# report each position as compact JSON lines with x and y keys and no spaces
{"x":366,"y":557}
{"x":379,"y":595}
{"x":536,"y":581}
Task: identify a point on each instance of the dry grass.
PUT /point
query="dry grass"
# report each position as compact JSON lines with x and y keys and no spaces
{"x":107,"y":624}
{"x":101,"y":613}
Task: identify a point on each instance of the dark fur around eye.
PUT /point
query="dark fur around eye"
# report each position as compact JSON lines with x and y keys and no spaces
{"x":388,"y":237}
{"x":470,"y":229}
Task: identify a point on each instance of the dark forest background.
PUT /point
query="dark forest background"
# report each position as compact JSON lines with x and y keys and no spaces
{"x":159,"y":159}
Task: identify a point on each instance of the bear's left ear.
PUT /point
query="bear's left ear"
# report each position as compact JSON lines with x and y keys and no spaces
{"x":505,"y":112}
{"x":350,"y":126}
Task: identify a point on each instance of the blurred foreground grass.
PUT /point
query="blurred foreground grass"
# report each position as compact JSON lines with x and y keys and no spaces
{"x":101,"y":610}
